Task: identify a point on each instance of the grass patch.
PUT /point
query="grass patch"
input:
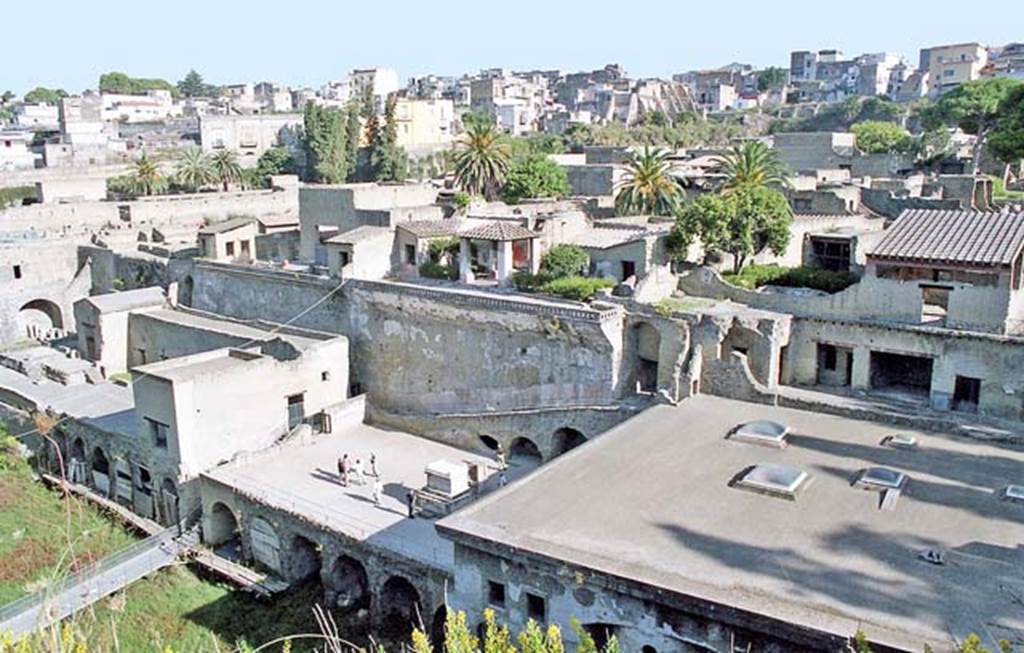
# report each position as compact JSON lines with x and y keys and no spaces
{"x":573,"y":287}
{"x":755,"y":276}
{"x":670,"y":305}
{"x":999,"y":191}
{"x":44,"y":536}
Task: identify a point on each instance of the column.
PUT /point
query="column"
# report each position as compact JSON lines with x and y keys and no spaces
{"x":465,"y":262}
{"x":860,"y":375}
{"x":503,"y":272}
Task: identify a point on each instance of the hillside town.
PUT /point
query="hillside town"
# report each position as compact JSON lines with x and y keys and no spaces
{"x":724,"y":362}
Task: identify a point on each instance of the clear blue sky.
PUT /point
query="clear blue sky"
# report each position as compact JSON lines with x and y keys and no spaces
{"x":300,"y":42}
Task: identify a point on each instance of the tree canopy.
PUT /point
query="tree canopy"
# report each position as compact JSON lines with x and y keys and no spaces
{"x":481,"y":161}
{"x":751,"y":164}
{"x":325,"y":139}
{"x":194,"y":86}
{"x":117,"y":82}
{"x":881,"y":137}
{"x":650,"y":185}
{"x":973,"y":107}
{"x":388,"y":161}
{"x":535,"y":176}
{"x":741,"y":223}
{"x":1007,"y":139}
{"x":41,"y":94}
{"x":772,"y":77}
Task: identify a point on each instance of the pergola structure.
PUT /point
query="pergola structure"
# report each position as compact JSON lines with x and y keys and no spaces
{"x":501,"y":248}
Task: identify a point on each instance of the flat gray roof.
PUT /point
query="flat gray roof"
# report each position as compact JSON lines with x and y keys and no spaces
{"x":127,"y":300}
{"x":252,"y":330}
{"x":650,"y":500}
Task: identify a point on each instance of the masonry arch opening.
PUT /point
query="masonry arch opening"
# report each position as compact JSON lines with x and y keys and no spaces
{"x":304,"y":560}
{"x":350,"y":583}
{"x":648,"y":346}
{"x":567,"y":439}
{"x":266,"y":545}
{"x":221,"y":532}
{"x":525,"y":451}
{"x":40,"y":316}
{"x":400,"y":603}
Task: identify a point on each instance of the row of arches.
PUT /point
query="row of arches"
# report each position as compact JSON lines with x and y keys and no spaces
{"x":122,"y":480}
{"x":294,"y":556}
{"x":527,"y":450}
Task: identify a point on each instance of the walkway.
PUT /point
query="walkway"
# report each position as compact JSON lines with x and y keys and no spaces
{"x":82,"y":589}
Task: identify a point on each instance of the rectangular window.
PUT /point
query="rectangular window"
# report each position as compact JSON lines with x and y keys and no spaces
{"x":157,"y":432}
{"x":496,"y":594}
{"x":325,"y":376}
{"x":536,"y":608}
{"x":410,"y":254}
{"x":17,"y":271}
{"x":296,"y":410}
{"x":230,"y":248}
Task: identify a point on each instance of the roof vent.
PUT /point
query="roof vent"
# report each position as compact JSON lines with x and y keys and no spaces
{"x":899,"y":442}
{"x":776,"y":480}
{"x":1013,"y":493}
{"x":881,"y":478}
{"x":763,"y":432}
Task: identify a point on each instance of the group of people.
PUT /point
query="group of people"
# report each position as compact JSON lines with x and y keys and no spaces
{"x":362,"y":472}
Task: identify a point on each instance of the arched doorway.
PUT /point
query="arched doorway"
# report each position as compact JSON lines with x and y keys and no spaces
{"x":168,"y":507}
{"x":601,"y":633}
{"x":648,"y":346}
{"x":400,"y":606}
{"x":524,"y":451}
{"x":78,"y":462}
{"x":565,"y":439}
{"x":350,"y":583}
{"x":266,"y":545}
{"x":221,"y":532}
{"x":40,"y":316}
{"x":100,"y":471}
{"x":303,"y":560}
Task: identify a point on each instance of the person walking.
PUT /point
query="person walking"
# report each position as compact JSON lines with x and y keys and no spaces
{"x":378,"y":487}
{"x":343,"y":470}
{"x":360,"y":477}
{"x":410,"y":499}
{"x":373,"y":466}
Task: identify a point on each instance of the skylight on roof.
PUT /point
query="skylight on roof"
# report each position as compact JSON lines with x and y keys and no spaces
{"x":899,"y":441}
{"x":763,"y":432}
{"x":777,"y":480}
{"x":1014,"y":493}
{"x":882,"y":478}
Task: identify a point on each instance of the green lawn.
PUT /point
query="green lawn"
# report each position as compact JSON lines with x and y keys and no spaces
{"x":42,"y":536}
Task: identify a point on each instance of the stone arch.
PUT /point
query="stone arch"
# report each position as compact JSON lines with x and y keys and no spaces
{"x":565,"y":439}
{"x":221,"y":530}
{"x":77,"y":451}
{"x":303,"y":558}
{"x":100,"y":462}
{"x":350,"y":584}
{"x":523,"y":449}
{"x":265,"y":544}
{"x":647,"y":648}
{"x":489,"y":441}
{"x":41,"y":315}
{"x":400,"y":606}
{"x":648,"y":352}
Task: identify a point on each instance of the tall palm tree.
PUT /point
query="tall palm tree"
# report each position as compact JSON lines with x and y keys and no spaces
{"x":224,"y":164}
{"x":481,"y":161}
{"x":751,"y":164}
{"x":193,"y":168}
{"x":146,"y":178}
{"x":650,"y":185}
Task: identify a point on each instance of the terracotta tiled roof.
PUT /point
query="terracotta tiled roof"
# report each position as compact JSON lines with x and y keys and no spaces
{"x":499,"y":231}
{"x":431,"y":228}
{"x":962,"y":237}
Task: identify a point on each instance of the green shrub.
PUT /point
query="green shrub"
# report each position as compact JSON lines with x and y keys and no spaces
{"x":576,"y":288}
{"x":755,"y":276}
{"x":564,"y":261}
{"x":438,"y":247}
{"x":432,"y":270}
{"x":528,"y":282}
{"x":15,"y":195}
{"x":462,"y":200}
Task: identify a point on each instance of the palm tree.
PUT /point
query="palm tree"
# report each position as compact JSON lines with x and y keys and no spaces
{"x":225,"y":168}
{"x":193,"y":169}
{"x":482,"y":161}
{"x":751,"y":164}
{"x":147,"y":178}
{"x":650,"y":185}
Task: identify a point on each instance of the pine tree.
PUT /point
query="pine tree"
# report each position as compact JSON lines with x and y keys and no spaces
{"x":324,"y":137}
{"x":353,"y":127}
